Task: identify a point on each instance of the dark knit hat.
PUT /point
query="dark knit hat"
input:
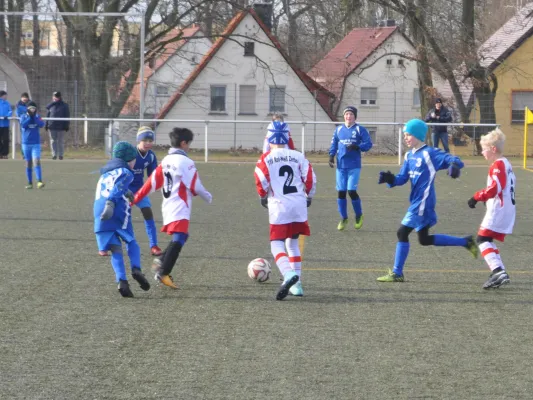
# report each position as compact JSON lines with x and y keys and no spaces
{"x":351,"y":109}
{"x":57,"y":94}
{"x":2,"y":93}
{"x":124,"y":151}
{"x":31,"y":104}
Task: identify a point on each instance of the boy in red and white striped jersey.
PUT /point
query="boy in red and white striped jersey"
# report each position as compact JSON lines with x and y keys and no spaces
{"x":499,"y":196}
{"x":286,"y":183}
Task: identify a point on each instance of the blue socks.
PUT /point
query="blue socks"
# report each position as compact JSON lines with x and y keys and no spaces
{"x":151,"y":231}
{"x":134,"y":253}
{"x":29,"y":175}
{"x":342,"y":205}
{"x":38,"y":173}
{"x":117,"y":261}
{"x":357,"y":207}
{"x":402,"y":251}
{"x":446,"y":240}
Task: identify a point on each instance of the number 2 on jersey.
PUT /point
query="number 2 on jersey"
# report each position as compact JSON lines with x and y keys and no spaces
{"x":287,"y":187}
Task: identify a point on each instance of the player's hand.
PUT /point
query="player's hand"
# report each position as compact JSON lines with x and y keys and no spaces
{"x":352,"y":147}
{"x":472,"y":203}
{"x":264,"y":201}
{"x":309,"y":201}
{"x":109,"y":209}
{"x":129,"y":195}
{"x":386,"y":177}
{"x":454,"y":171}
{"x":432,"y":115}
{"x":331,"y":161}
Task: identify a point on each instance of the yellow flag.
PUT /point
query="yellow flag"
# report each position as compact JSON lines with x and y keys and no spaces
{"x":529,"y":116}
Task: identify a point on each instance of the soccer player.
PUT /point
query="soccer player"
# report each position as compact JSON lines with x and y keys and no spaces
{"x":499,"y":197}
{"x":112,"y":216}
{"x":266,"y":144}
{"x":178,"y":179}
{"x":420,"y":167}
{"x":286,"y":184}
{"x":30,"y":125}
{"x":348,"y":141}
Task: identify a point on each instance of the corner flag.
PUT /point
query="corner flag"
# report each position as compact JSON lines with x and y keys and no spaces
{"x":529,"y":116}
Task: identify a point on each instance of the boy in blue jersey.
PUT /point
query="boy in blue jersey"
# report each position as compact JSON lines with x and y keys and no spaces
{"x":30,"y":125}
{"x":420,"y":167}
{"x":348,"y":141}
{"x":112,"y":216}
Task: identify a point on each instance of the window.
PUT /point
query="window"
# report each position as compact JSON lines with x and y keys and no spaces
{"x":369,"y":96}
{"x":401,"y":62}
{"x":277,"y":99}
{"x":521,"y":100}
{"x":389,"y":62}
{"x":193,"y":60}
{"x":416,"y":97}
{"x":372,"y":131}
{"x":218,"y":98}
{"x":247,"y":99}
{"x":161,"y":91}
{"x":249,"y":49}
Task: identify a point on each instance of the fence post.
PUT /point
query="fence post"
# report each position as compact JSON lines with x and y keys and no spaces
{"x":85,"y":130}
{"x":110,"y":137}
{"x":206,"y":151}
{"x":303,"y":138}
{"x":400,"y":145}
{"x":13,"y":139}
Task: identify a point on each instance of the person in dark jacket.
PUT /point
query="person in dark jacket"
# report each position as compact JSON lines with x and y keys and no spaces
{"x":439,"y":115}
{"x":57,"y":109}
{"x":22,"y":105}
{"x":5,"y":114}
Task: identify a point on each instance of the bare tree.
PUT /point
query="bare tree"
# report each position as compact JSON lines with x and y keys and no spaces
{"x":36,"y":29}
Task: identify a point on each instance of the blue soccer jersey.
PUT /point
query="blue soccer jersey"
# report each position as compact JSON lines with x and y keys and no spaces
{"x":146,"y":162}
{"x":420,"y":167}
{"x":343,"y":137}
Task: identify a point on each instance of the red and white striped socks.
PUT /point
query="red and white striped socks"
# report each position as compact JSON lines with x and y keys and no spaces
{"x":491,"y":254}
{"x":295,"y":257}
{"x":282,"y":261}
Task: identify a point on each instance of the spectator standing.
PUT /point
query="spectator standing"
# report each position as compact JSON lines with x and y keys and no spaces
{"x":22,"y":106}
{"x":5,"y":114}
{"x":57,"y":109}
{"x":440,"y":115}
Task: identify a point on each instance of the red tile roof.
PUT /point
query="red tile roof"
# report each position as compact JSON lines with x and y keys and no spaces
{"x":324,"y":97}
{"x":347,"y":55}
{"x":132,"y":104}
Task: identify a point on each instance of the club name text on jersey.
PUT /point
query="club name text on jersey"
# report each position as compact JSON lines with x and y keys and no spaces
{"x":282,"y":159}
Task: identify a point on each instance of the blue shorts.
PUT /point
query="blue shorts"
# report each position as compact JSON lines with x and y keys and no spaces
{"x":419,"y":222}
{"x":347,"y":179}
{"x":31,"y":151}
{"x":145,"y":202}
{"x":108,"y":238}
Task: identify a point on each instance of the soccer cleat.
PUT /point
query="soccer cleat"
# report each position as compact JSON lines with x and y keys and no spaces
{"x":29,"y":186}
{"x":471,"y":246}
{"x":290,"y":279}
{"x":40,"y":185}
{"x":342,"y":224}
{"x":359,"y":222}
{"x":296,"y":289}
{"x":156,"y":251}
{"x":156,"y":264}
{"x":140,"y":278}
{"x":390,"y":277}
{"x":166,"y":280}
{"x":124,"y":289}
{"x":496,"y":280}
{"x":103,"y":253}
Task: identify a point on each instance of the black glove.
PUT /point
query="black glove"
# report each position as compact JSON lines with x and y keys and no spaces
{"x":331,"y":161}
{"x":352,"y":146}
{"x":309,"y":200}
{"x":386,"y":177}
{"x":264,"y":201}
{"x":129,"y":195}
{"x":109,"y":209}
{"x":6,"y":117}
{"x":454,"y":171}
{"x":472,"y":203}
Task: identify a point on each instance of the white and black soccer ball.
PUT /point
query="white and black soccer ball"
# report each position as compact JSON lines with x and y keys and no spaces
{"x":259,"y":270}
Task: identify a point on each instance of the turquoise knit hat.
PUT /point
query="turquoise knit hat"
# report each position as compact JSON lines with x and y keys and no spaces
{"x":416,"y":128}
{"x":124,"y":151}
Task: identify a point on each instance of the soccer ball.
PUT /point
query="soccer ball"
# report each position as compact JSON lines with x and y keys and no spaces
{"x":259,"y":270}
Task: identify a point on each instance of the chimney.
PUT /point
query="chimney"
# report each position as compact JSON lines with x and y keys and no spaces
{"x":391,"y":22}
{"x":263,"y":9}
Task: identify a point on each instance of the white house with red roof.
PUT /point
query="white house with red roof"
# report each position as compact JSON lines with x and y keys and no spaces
{"x":180,"y":53}
{"x":247,"y":76}
{"x":372,"y":69}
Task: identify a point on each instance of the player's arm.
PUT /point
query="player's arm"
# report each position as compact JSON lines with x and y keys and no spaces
{"x":152,"y":166}
{"x":365,"y":142}
{"x":291,"y":143}
{"x":262,"y":177}
{"x":266,"y":145}
{"x":121,"y":186}
{"x":191,"y":180}
{"x":39,"y":120}
{"x":334,"y":144}
{"x":442,"y":160}
{"x":308,"y":178}
{"x":395,"y":180}
{"x":25,"y":121}
{"x":155,"y":182}
{"x":499,"y":180}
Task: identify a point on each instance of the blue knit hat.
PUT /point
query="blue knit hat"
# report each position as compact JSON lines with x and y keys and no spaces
{"x":145,"y":133}
{"x":278,"y":133}
{"x":124,"y":151}
{"x":416,"y":128}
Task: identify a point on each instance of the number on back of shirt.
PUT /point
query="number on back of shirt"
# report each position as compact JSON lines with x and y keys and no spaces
{"x":512,"y":188}
{"x":105,"y":184}
{"x":288,"y":188}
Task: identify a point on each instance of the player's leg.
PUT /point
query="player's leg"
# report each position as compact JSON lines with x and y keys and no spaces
{"x":402,"y":251}
{"x":169,"y":259}
{"x":117,"y":262}
{"x":353,"y":183}
{"x":467,"y":242}
{"x":149,"y":224}
{"x":29,"y":165}
{"x":277,"y":246}
{"x":295,"y":261}
{"x":36,"y":156}
{"x":341,"y":177}
{"x":134,"y":254}
{"x":491,"y":254}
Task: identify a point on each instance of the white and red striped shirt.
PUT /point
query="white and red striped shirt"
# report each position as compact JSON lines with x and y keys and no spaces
{"x":499,"y":196}
{"x":287,"y":177}
{"x":178,"y":180}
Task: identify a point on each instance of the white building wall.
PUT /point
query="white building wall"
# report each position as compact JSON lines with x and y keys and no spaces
{"x":231,"y":69}
{"x":395,"y":85}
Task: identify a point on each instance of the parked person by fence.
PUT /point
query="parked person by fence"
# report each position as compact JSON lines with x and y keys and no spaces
{"x":440,"y":115}
{"x":57,"y":129}
{"x":5,"y":113}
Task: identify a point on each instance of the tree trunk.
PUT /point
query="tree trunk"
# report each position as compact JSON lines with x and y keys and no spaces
{"x":3,"y":32}
{"x":15,"y":32}
{"x":36,"y":30}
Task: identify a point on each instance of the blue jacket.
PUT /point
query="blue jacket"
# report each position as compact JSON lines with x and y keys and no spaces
{"x":30,"y":127}
{"x":444,"y":116}
{"x":5,"y":111}
{"x":420,"y":166}
{"x":58,"y":109}
{"x":113,"y":185}
{"x":147,"y":162}
{"x":344,"y":136}
{"x":21,"y":108}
